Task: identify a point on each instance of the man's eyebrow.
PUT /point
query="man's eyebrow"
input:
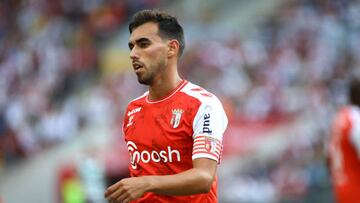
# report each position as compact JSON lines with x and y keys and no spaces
{"x":143,"y":39}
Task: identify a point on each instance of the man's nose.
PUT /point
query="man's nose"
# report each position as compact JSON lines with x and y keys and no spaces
{"x":134,"y":54}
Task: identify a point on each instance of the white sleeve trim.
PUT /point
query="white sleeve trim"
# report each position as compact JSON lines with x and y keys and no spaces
{"x":209,"y":156}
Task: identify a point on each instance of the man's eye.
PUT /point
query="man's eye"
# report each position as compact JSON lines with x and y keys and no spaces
{"x":131,"y":46}
{"x":143,"y":44}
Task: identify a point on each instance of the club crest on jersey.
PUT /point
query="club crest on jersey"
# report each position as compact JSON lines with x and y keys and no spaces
{"x":176,"y":117}
{"x":210,"y":144}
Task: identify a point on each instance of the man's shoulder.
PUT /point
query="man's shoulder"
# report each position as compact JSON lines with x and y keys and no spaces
{"x":346,"y":117}
{"x":135,"y":105}
{"x":347,"y":112}
{"x":197,"y":92}
{"x":138,"y":100}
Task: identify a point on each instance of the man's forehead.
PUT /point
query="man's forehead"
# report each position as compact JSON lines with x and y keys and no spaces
{"x":147,"y":30}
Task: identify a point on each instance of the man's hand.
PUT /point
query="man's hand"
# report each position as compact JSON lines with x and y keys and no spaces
{"x":127,"y":189}
{"x":196,"y":180}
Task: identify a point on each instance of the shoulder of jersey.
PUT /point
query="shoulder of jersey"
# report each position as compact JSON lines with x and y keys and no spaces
{"x":139,"y":99}
{"x":346,"y":112}
{"x":198,"y":92}
{"x":355,"y":109}
{"x":346,"y":116}
{"x":354,"y":114}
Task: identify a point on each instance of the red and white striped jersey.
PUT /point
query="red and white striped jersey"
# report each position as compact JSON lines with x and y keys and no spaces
{"x":345,"y":154}
{"x":164,"y":136}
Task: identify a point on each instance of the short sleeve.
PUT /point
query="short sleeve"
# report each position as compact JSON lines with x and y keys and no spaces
{"x":209,"y":125}
{"x":355,"y":130}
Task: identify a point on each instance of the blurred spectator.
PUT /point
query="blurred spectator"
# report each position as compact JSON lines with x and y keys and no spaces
{"x":49,"y":55}
{"x":344,"y":147}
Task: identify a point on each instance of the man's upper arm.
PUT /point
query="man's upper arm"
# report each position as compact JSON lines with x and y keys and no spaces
{"x":209,"y":125}
{"x":207,"y":165}
{"x":206,"y":168}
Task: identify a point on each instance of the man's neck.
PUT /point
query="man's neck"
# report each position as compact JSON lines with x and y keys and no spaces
{"x":163,"y":86}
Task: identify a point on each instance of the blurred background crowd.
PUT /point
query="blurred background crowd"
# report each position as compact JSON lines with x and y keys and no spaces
{"x":64,"y":68}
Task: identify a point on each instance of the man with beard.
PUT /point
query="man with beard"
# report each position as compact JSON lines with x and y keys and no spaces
{"x":173,"y":131}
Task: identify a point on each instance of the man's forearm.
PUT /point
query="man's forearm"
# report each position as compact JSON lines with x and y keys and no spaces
{"x":196,"y":180}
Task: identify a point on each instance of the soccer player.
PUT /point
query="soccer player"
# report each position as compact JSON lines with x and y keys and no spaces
{"x":173,"y":131}
{"x":345,"y":149}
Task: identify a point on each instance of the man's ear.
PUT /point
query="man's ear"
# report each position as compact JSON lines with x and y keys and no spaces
{"x":173,"y":48}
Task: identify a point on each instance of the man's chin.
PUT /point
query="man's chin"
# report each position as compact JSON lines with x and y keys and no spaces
{"x":143,"y":81}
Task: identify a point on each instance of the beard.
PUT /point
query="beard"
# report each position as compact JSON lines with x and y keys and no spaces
{"x":150,"y":73}
{"x":146,"y":78}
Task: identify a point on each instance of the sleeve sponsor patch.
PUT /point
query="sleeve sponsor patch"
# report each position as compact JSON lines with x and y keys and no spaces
{"x":207,"y":147}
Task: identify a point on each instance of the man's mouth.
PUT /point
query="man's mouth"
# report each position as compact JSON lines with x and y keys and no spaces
{"x":137,"y":66}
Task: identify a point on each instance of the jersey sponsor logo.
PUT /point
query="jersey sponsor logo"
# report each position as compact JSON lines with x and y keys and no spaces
{"x":145,"y":156}
{"x":176,"y":117}
{"x":131,"y":116}
{"x":130,"y":122}
{"x":134,"y":111}
{"x":206,"y":124}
